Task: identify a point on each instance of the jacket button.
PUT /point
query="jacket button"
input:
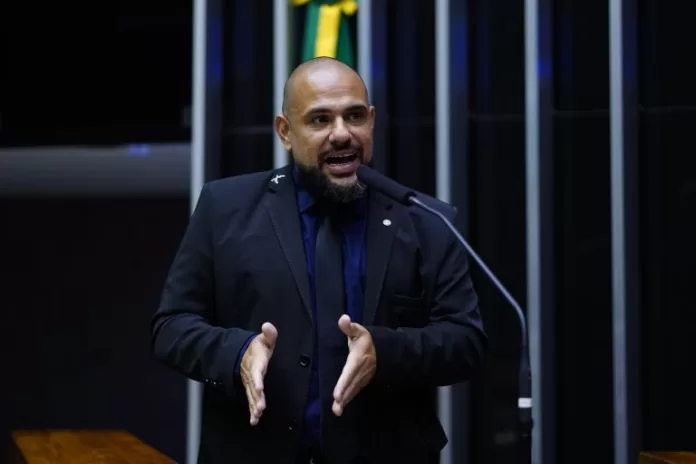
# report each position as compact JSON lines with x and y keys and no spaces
{"x":304,"y":360}
{"x":292,"y":426}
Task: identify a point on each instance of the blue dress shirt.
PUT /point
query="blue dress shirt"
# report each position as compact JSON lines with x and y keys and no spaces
{"x":353,"y":241}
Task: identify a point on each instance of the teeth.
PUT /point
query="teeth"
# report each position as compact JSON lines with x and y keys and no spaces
{"x":340,"y":157}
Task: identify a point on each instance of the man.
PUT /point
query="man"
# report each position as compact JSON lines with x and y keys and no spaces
{"x":319,"y":315}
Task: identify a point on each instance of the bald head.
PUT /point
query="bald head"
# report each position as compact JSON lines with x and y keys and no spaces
{"x":300,"y":75}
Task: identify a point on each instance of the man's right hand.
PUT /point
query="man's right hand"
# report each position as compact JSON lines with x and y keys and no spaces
{"x":253,"y":369}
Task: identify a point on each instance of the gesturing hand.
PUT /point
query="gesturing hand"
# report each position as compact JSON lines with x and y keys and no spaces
{"x":253,"y":369}
{"x":360,"y":366}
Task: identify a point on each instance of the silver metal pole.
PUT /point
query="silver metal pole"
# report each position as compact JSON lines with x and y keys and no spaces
{"x":539,"y":198}
{"x":365,"y":42}
{"x":533,"y":219}
{"x":280,"y":71}
{"x":618,"y":227}
{"x":623,"y":110}
{"x":442,"y":169}
{"x":442,"y":100}
{"x":198,"y":143}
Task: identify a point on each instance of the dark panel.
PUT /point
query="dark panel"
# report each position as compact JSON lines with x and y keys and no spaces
{"x":668,"y":222}
{"x":497,"y":215}
{"x":665,"y":51}
{"x":497,"y":30}
{"x":247,"y":82}
{"x":95,"y":74}
{"x":583,"y":295}
{"x":668,"y":228}
{"x":83,"y":280}
{"x":411,"y":93}
{"x":583,"y":232}
{"x":497,"y":229}
{"x":581,"y":55}
{"x":460,"y":122}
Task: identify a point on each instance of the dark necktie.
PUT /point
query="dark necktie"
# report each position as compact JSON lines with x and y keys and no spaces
{"x":332,"y":344}
{"x":330,"y":293}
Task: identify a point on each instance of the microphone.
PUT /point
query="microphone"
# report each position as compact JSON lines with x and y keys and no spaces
{"x":408,"y":197}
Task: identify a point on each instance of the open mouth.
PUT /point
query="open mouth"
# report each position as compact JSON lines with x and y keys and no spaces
{"x":341,"y":159}
{"x":342,"y":164}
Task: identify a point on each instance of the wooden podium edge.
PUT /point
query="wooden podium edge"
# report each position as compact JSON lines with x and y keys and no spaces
{"x":63,"y":446}
{"x":667,"y":457}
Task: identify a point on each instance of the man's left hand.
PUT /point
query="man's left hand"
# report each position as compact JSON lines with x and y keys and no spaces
{"x":360,"y":366}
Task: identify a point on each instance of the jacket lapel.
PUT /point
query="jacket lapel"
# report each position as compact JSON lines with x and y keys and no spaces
{"x":382,"y":225}
{"x":282,"y":209}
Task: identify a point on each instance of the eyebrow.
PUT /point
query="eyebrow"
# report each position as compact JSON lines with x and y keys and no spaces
{"x":322,"y":110}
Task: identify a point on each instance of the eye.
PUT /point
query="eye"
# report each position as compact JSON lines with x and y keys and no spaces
{"x":355,"y":117}
{"x":318,"y":120}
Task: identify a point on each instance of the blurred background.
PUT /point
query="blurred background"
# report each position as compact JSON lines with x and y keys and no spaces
{"x":95,"y":193}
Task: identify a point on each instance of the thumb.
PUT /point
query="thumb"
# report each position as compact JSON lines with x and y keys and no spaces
{"x":346,"y":326}
{"x":270,"y":334}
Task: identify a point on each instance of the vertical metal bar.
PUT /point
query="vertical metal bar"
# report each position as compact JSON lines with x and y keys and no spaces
{"x":442,"y":170}
{"x":442,"y":100}
{"x":365,"y":43}
{"x":200,"y":23}
{"x":198,"y":139}
{"x":206,"y":138}
{"x":533,"y":218}
{"x":539,"y":181}
{"x":280,"y":71}
{"x":624,"y":161}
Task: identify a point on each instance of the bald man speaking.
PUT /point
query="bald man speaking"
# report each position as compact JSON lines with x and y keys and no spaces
{"x":319,"y":315}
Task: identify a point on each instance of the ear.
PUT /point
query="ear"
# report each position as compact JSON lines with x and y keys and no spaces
{"x":371,"y":116}
{"x":282,"y":127}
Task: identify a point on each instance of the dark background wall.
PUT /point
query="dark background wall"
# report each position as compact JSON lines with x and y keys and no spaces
{"x":82,"y":276}
{"x":668,"y":223}
{"x":81,"y":279}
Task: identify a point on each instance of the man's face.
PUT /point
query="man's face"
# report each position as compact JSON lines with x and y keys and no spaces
{"x":328,"y":125}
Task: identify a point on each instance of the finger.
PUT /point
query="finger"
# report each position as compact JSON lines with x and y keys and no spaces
{"x":257,"y":378}
{"x":337,"y":409}
{"x":260,"y":406}
{"x":349,"y":329}
{"x":347,"y":395}
{"x":270,"y":335}
{"x":252,"y":399}
{"x":257,"y":385}
{"x":345,"y":379}
{"x":344,"y":324}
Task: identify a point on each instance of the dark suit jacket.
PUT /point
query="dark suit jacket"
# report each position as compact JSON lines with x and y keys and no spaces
{"x":241,"y":263}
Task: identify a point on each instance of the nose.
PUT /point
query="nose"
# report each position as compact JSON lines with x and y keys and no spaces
{"x":339,"y":133}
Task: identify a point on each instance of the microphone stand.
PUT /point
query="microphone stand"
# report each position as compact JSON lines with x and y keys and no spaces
{"x":524,"y":400}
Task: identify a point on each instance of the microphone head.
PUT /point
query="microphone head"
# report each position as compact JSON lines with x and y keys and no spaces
{"x":384,"y":185}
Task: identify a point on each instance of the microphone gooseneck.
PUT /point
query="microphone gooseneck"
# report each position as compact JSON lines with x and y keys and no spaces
{"x":406,"y":196}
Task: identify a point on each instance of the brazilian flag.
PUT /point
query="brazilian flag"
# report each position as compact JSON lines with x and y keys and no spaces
{"x":327,"y":32}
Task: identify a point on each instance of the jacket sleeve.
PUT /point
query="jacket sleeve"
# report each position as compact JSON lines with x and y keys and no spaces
{"x":451,"y":346}
{"x":182,"y":334}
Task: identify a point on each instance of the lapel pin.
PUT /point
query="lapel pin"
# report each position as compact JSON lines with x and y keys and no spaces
{"x":278,"y":176}
{"x":386,"y":222}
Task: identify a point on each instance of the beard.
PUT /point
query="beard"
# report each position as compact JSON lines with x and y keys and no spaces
{"x":326,"y":192}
